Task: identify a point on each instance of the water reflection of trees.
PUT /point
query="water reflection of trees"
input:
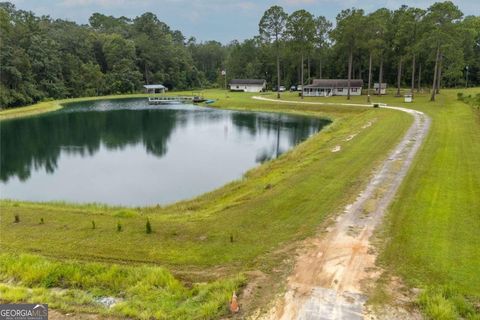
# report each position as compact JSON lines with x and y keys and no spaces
{"x":289,"y":130}
{"x":37,"y":142}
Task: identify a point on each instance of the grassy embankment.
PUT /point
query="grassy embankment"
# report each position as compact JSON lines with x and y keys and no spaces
{"x":433,"y":226}
{"x":431,"y":237}
{"x":274,"y":205}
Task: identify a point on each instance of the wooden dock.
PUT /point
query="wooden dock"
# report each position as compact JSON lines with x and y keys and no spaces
{"x":175,"y":99}
{"x":169,"y":99}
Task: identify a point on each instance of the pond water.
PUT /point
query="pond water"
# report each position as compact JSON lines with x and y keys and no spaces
{"x":125,"y":152}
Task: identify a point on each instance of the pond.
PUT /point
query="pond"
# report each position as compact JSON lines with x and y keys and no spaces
{"x":126,"y":152}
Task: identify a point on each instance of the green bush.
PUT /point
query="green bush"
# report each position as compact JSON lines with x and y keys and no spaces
{"x":474,"y":101}
{"x":148,"y":227}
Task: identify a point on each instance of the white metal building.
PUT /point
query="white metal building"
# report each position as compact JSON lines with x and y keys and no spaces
{"x":248,"y":85}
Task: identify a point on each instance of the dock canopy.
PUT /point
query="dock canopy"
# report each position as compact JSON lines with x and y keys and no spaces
{"x":154,"y":88}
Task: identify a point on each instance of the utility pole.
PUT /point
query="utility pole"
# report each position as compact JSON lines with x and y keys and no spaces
{"x":224,"y":74}
{"x":370,"y":77}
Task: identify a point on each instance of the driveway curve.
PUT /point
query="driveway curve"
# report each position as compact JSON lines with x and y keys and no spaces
{"x":332,"y":268}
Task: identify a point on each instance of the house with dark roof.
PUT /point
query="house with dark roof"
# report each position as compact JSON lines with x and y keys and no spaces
{"x":248,"y":85}
{"x":333,"y":87}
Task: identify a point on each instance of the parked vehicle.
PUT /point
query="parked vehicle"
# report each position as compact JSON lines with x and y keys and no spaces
{"x":282,"y":89}
{"x":293,"y":88}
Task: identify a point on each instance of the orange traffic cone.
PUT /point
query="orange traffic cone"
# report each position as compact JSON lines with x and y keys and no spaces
{"x":234,"y":307}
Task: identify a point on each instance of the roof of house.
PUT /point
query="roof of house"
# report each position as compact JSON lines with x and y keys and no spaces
{"x":335,"y":83}
{"x":248,"y":81}
{"x":154,"y":86}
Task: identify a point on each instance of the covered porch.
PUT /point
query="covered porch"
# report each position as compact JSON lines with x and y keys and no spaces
{"x":317,"y":92}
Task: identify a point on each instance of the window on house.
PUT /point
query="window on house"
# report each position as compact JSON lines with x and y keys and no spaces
{"x":354,"y":89}
{"x":340,"y":89}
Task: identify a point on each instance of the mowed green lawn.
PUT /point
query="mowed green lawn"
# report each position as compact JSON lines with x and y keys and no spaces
{"x":434,"y":224}
{"x":431,"y":236}
{"x":274,"y":205}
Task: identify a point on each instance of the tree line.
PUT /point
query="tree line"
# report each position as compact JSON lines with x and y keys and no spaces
{"x":406,"y":47}
{"x":44,"y":58}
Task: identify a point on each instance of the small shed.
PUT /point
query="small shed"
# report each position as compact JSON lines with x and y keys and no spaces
{"x":154,"y":88}
{"x":408,"y":97}
{"x":380,"y":89}
{"x":248,"y":85}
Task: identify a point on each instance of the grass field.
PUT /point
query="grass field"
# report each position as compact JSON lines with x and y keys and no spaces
{"x":431,"y":231}
{"x":142,"y":291}
{"x":434,"y":224}
{"x":265,"y":212}
{"x":431,"y":237}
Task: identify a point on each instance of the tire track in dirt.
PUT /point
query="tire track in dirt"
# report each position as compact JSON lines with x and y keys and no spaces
{"x":332,"y":269}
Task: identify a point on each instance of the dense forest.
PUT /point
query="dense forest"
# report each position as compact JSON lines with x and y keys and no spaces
{"x":44,"y":58}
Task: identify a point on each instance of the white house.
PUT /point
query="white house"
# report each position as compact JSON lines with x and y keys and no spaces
{"x":248,"y":85}
{"x":154,"y":88}
{"x":333,"y":87}
{"x":383,"y":90}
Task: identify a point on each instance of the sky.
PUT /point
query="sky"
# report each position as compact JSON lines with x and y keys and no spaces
{"x":221,"y":20}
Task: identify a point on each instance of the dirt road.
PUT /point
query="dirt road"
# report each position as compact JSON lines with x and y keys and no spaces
{"x":332,"y":269}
